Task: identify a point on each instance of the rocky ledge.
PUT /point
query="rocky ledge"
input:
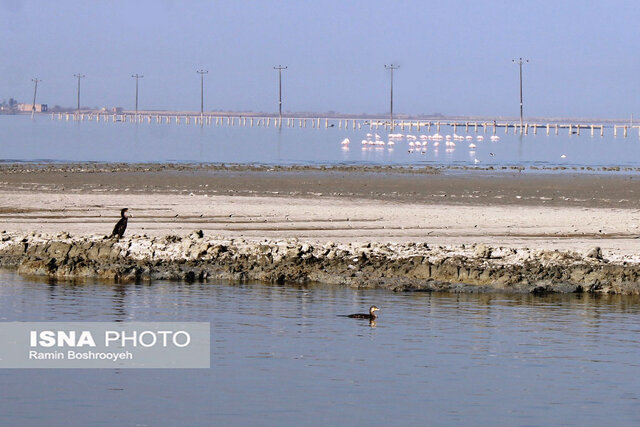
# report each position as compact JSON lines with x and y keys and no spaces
{"x":399,"y":267}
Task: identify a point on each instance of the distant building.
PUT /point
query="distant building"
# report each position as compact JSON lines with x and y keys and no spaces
{"x":116,"y":109}
{"x":38,"y":108}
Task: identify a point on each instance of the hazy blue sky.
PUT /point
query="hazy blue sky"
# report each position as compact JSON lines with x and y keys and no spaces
{"x":454,"y":56}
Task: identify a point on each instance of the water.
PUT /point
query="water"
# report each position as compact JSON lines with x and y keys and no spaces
{"x":24,"y":139}
{"x":282,"y":356}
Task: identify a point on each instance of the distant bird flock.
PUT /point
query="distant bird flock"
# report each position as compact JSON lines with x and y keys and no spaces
{"x":419,"y":143}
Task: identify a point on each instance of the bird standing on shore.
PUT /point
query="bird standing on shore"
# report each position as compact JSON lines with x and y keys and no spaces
{"x":121,"y":226}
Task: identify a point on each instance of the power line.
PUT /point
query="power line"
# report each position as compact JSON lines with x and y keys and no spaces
{"x":280,"y":68}
{"x":137,"y":77}
{"x":79,"y":76}
{"x":391,"y":67}
{"x":202,"y":73}
{"x":35,"y":90}
{"x":520,"y":61}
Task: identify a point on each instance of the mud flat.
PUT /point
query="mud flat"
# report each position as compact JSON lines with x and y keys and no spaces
{"x":398,"y":267}
{"x":508,"y":186}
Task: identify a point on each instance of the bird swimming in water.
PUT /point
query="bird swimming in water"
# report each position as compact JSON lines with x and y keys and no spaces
{"x":371,"y":316}
{"x":121,"y":226}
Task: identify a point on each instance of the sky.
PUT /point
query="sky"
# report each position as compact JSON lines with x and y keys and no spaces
{"x":455,"y":57}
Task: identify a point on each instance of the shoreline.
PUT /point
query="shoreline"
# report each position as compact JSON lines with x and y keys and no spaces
{"x":406,"y":267}
{"x":543,"y":225}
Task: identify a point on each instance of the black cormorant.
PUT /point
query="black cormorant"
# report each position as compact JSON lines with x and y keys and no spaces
{"x":121,"y":226}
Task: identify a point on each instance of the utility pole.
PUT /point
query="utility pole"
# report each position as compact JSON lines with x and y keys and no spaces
{"x":35,"y":90}
{"x":202,"y":73}
{"x":79,"y":76}
{"x":137,"y":77}
{"x":280,"y":68}
{"x":520,"y":61}
{"x":391,"y":67}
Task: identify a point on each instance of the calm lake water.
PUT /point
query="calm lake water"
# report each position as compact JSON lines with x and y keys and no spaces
{"x":282,"y":356}
{"x":24,"y":139}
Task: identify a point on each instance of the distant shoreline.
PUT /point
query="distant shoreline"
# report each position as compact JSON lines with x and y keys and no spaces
{"x":29,"y":166}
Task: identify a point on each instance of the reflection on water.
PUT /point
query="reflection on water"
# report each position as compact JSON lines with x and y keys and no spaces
{"x":283,"y":355}
{"x":45,"y":139}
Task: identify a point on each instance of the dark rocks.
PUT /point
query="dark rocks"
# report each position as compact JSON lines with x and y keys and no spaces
{"x":190,"y":277}
{"x":543,"y":290}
